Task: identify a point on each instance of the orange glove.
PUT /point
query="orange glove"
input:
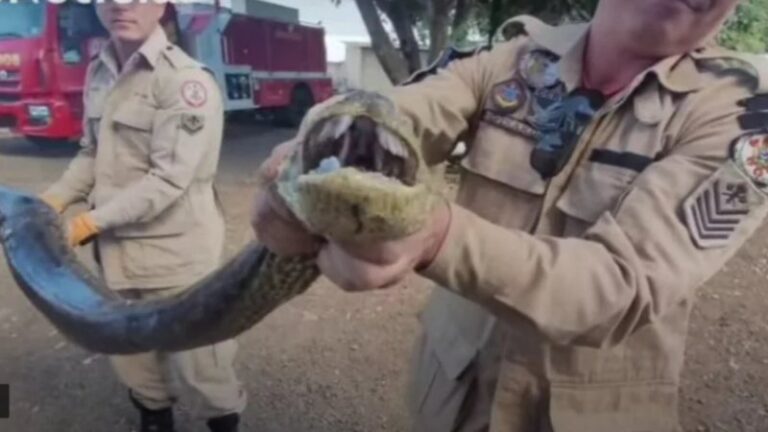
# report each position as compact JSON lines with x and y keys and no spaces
{"x":82,"y":229}
{"x":53,"y":202}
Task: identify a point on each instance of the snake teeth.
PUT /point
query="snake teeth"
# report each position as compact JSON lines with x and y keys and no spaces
{"x":391,"y":143}
{"x":341,"y":126}
{"x":334,"y":129}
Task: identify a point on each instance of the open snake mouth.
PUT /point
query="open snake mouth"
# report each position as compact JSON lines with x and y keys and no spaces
{"x":359,"y":142}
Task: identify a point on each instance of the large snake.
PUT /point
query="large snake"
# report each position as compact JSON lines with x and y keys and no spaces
{"x":357,"y":174}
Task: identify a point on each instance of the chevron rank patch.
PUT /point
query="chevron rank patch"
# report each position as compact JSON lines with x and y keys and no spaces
{"x":717,"y":208}
{"x":192,"y":123}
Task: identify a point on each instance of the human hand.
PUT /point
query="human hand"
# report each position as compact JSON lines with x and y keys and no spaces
{"x":272,"y":221}
{"x":81,"y":230}
{"x":372,"y":266}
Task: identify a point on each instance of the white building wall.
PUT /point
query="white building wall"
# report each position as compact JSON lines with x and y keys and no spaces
{"x":362,"y":69}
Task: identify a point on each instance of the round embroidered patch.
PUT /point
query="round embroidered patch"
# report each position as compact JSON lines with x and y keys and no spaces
{"x":750,"y":153}
{"x":194,"y":93}
{"x":540,"y":69}
{"x":508,"y":96}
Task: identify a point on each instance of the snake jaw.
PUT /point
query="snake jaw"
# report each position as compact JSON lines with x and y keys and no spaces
{"x":357,"y":174}
{"x":358,"y":141}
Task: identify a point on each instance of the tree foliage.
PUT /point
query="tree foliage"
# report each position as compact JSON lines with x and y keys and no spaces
{"x":748,"y":28}
{"x":401,"y":30}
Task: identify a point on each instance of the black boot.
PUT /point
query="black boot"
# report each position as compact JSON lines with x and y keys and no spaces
{"x":154,"y":420}
{"x":227,"y":423}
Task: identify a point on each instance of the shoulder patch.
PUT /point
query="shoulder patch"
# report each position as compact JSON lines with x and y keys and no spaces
{"x":750,"y":153}
{"x":194,"y":93}
{"x":540,"y":68}
{"x":717,"y":208}
{"x":192,"y":123}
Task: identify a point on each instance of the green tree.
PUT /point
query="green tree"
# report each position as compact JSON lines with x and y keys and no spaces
{"x":747,"y":30}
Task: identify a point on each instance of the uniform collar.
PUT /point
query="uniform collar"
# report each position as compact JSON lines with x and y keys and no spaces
{"x":155,"y":45}
{"x":150,"y":50}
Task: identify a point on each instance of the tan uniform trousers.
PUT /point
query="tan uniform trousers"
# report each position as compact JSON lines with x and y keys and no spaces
{"x":208,"y":370}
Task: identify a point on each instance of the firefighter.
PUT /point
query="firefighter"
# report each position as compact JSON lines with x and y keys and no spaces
{"x":153,"y":129}
{"x":613,"y":167}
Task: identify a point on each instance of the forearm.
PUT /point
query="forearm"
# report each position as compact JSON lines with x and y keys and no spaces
{"x":140,"y":202}
{"x":77,"y":181}
{"x":576,"y":290}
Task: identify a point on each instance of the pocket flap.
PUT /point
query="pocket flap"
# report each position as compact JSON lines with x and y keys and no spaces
{"x":504,"y":157}
{"x":639,"y":407}
{"x":593,"y":190}
{"x":135,"y":116}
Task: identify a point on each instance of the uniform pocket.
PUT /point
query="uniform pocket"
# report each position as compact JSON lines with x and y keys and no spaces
{"x":175,"y":220}
{"x":636,"y":407}
{"x":132,"y":133}
{"x":147,"y":258}
{"x":504,"y":157}
{"x":135,"y":116}
{"x":593,"y":190}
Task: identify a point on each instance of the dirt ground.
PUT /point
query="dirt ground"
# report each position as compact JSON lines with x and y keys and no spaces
{"x":332,"y":361}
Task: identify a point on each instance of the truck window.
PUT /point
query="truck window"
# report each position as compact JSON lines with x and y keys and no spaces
{"x":77,"y":23}
{"x":21,"y":20}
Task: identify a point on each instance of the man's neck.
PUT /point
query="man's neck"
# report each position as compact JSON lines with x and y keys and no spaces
{"x":608,"y":67}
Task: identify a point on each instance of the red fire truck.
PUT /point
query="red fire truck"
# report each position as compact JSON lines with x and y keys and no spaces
{"x":264,"y":59}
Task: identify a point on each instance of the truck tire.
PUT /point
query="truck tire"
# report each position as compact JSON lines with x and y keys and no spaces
{"x":301,"y":101}
{"x":44,"y":142}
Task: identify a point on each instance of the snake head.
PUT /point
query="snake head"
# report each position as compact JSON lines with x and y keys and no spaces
{"x":358,"y":172}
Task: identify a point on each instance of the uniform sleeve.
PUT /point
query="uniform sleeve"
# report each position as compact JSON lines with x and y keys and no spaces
{"x":637,"y":263}
{"x":443,"y":106}
{"x":79,"y":177}
{"x":187,"y":124}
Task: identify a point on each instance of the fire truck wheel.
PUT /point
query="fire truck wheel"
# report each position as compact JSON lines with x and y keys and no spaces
{"x":301,"y":101}
{"x":45,"y":142}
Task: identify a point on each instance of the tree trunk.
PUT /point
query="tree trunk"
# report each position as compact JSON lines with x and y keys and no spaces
{"x":403,"y":24}
{"x":391,"y":61}
{"x":460,"y":15}
{"x":439,"y":22}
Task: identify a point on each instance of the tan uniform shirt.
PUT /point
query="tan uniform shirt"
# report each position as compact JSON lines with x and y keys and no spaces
{"x":150,"y":150}
{"x":586,"y":279}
